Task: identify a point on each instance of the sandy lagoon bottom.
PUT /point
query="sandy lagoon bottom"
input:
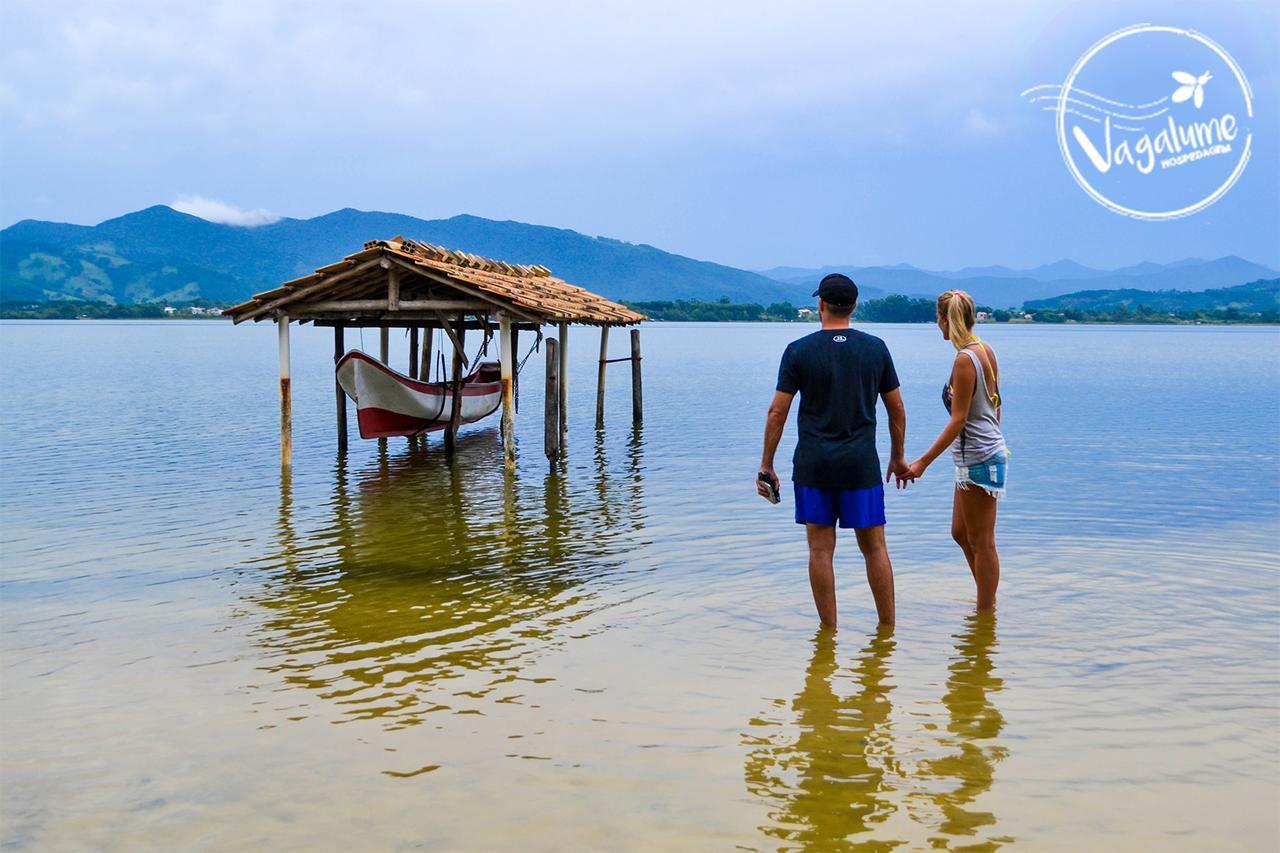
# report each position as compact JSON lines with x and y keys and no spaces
{"x":392,"y":651}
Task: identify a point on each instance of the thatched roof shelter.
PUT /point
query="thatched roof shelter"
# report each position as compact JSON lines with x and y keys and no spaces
{"x":405,"y":282}
{"x":402,"y":283}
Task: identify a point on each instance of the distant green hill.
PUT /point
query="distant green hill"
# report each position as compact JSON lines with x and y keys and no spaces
{"x":1001,"y":287}
{"x":1256,"y":296}
{"x":161,"y":254}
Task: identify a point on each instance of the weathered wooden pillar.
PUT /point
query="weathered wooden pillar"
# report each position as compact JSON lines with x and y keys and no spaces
{"x":551,"y":440}
{"x":339,"y":350}
{"x":286,"y":393}
{"x":515,"y":372}
{"x":455,"y":395}
{"x":604,"y":362}
{"x":413,"y":352}
{"x":563,"y":391}
{"x":637,"y":396}
{"x":424,"y":373}
{"x":393,"y":288}
{"x":384,"y":344}
{"x":506,"y":357}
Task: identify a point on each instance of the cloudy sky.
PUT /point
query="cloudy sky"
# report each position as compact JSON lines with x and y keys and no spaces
{"x":754,"y":134}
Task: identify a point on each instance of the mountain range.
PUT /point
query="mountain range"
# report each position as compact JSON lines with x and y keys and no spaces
{"x":160,"y":254}
{"x":1003,"y":287}
{"x":1256,"y":296}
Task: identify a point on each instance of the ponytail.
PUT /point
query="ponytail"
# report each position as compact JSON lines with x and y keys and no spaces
{"x":957,"y":306}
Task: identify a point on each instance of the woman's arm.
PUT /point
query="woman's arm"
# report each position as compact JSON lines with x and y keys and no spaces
{"x":963,"y":381}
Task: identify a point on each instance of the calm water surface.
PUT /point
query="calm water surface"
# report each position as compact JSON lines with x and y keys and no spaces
{"x":388,"y":650}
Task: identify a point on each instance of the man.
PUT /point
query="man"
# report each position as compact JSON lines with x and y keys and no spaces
{"x":838,"y":372}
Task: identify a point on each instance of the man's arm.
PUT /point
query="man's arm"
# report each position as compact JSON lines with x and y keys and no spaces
{"x":774,"y":423}
{"x":897,"y":434}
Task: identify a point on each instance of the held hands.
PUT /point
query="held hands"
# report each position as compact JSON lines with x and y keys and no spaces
{"x":905,"y":473}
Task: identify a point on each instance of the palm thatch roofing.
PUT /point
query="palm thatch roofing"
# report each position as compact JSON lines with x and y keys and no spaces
{"x":404,"y":281}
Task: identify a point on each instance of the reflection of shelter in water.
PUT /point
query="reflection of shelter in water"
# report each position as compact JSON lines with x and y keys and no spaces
{"x":434,"y":586}
{"x":836,"y":781}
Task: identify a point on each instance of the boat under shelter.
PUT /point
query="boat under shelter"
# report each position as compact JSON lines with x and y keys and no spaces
{"x":403,"y":283}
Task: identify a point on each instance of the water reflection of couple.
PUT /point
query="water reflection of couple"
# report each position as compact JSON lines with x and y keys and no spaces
{"x":841,"y":779}
{"x":839,"y":374}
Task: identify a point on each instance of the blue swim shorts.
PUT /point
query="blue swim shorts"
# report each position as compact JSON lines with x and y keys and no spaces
{"x":851,"y":507}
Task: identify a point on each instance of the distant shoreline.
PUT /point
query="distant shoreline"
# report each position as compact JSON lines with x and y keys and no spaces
{"x":857,"y":322}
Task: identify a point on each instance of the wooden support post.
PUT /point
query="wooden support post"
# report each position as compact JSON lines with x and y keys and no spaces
{"x":515,"y":372}
{"x":637,"y":396}
{"x":393,"y":288}
{"x":604,"y":362}
{"x":563,"y":391}
{"x":506,"y":357}
{"x":413,"y":352}
{"x":338,"y":352}
{"x":551,"y":441}
{"x":455,"y":397}
{"x":384,"y":344}
{"x":424,"y":373}
{"x":286,"y":393}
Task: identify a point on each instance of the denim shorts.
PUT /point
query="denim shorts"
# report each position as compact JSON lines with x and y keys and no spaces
{"x":988,"y":475}
{"x":850,"y":507}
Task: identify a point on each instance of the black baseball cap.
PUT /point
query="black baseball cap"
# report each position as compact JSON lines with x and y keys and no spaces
{"x":837,"y":289}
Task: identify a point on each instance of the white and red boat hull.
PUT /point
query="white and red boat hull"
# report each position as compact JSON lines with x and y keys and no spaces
{"x":390,"y":404}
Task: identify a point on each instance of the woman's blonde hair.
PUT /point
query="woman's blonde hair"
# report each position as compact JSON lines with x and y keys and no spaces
{"x":957,"y":306}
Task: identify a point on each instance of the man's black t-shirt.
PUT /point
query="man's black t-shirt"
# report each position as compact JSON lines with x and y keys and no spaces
{"x":839,"y":373}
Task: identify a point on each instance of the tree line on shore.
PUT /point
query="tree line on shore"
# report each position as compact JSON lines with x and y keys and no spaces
{"x":76,"y":309}
{"x":905,"y":309}
{"x":891,"y":309}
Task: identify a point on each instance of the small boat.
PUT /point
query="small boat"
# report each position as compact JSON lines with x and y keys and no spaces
{"x":390,"y":404}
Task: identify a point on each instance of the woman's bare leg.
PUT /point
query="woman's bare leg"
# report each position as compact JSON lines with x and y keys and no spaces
{"x":978,"y":509}
{"x":960,"y":534}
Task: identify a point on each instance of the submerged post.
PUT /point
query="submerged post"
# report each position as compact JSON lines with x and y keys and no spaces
{"x":286,"y":400}
{"x":338,"y":352}
{"x":508,"y":397}
{"x":413,"y":352}
{"x":604,"y":362}
{"x":637,"y":396}
{"x":551,"y":440}
{"x":455,"y":394}
{"x":563,"y":391}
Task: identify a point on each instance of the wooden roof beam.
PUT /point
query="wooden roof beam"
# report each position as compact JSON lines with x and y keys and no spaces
{"x":309,"y":290}
{"x":443,"y":278}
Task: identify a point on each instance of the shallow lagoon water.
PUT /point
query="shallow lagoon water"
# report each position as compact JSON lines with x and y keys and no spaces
{"x":390,"y":651}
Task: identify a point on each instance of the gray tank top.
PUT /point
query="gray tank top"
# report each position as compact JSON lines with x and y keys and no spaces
{"x":981,"y":438}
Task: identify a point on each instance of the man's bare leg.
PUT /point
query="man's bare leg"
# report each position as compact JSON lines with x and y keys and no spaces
{"x":822,"y":575}
{"x":879,"y":570}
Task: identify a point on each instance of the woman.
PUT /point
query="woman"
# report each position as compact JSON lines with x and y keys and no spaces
{"x":977,"y":444}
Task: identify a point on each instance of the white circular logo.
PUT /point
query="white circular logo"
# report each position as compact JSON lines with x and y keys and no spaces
{"x":839,"y":339}
{"x":1155,"y":122}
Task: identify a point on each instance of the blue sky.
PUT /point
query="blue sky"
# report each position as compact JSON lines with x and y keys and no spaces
{"x":754,"y":134}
